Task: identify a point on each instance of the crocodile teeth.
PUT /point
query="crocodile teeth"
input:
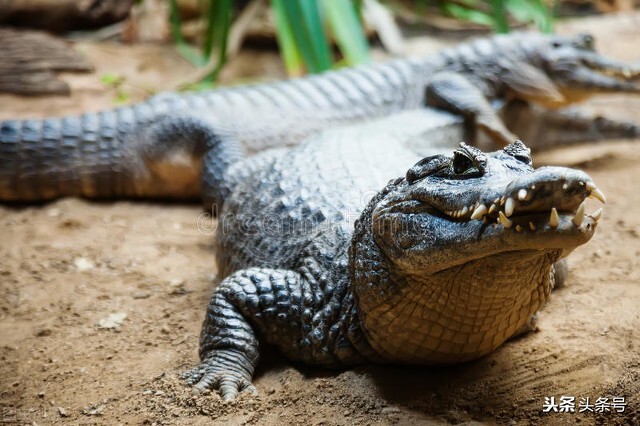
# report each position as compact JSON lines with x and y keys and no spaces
{"x":463,"y":212}
{"x":579,"y":217}
{"x":594,"y":192}
{"x":522,"y":194}
{"x":518,"y":228}
{"x":554,"y":219}
{"x":509,"y":206}
{"x":532,"y":226}
{"x":480,"y":211}
{"x":596,"y":216}
{"x":504,"y":220}
{"x":493,"y":208}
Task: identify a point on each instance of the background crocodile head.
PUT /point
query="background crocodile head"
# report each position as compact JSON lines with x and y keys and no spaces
{"x":453,"y":259}
{"x":575,"y":69}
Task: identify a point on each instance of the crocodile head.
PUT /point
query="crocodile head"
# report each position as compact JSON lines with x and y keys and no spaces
{"x":577,"y":70}
{"x":463,"y":251}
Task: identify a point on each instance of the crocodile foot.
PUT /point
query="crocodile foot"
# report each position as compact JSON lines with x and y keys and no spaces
{"x":222,"y":371}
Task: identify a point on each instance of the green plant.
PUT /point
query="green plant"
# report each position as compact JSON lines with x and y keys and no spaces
{"x":494,"y":13}
{"x":303,"y":38}
{"x":306,"y":29}
{"x":116,"y":82}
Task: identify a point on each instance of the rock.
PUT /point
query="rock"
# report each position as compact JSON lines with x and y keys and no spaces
{"x":83,"y":264}
{"x":113,"y":321}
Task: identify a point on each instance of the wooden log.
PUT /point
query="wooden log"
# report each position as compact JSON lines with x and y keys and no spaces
{"x":63,"y":15}
{"x":29,"y":60}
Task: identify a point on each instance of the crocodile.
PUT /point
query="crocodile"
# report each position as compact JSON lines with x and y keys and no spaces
{"x":333,"y":264}
{"x":502,"y":86}
{"x":319,"y":252}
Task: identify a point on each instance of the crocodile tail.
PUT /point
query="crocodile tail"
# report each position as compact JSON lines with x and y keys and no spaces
{"x":71,"y":156}
{"x":142,"y":151}
{"x":187,"y":154}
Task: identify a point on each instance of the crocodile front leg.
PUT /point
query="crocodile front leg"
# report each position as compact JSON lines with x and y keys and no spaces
{"x":303,"y":320}
{"x":456,"y":94}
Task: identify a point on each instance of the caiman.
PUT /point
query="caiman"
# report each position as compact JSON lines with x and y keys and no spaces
{"x":320,"y":253}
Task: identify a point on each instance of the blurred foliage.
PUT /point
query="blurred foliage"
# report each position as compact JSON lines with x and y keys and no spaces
{"x":495,"y":13}
{"x":307,"y":29}
{"x":116,"y":82}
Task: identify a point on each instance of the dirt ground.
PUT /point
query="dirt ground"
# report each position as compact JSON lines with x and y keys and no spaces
{"x":102,"y":302}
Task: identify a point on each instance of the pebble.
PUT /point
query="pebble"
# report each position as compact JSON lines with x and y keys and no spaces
{"x":113,"y":321}
{"x":390,"y":410}
{"x":83,"y":264}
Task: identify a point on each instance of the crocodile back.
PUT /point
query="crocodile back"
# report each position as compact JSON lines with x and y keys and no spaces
{"x":302,"y":203}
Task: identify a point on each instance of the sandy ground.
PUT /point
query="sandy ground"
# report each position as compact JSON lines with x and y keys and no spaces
{"x":102,"y":303}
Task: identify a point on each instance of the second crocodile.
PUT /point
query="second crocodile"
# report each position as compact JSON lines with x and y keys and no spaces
{"x":161,"y":148}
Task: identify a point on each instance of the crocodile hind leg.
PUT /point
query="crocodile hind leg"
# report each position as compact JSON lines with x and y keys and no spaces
{"x":543,"y":128}
{"x":183,"y":152}
{"x":455,"y":94}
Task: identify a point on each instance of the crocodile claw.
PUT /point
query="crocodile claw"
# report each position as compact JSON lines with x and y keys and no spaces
{"x":218,"y":374}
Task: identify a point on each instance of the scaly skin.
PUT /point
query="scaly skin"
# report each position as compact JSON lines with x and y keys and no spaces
{"x":335,"y":272}
{"x":156,"y":149}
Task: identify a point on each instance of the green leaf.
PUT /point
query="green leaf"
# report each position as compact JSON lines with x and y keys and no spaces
{"x":347,"y":29}
{"x":316,"y":33}
{"x":175,"y":22}
{"x":466,"y":14}
{"x":498,"y":11}
{"x":218,"y":26}
{"x":191,"y":54}
{"x":112,"y":79}
{"x":288,"y":49}
{"x":307,"y":32}
{"x":200,"y":86}
{"x":535,"y":11}
{"x":122,"y":97}
{"x":188,"y":52}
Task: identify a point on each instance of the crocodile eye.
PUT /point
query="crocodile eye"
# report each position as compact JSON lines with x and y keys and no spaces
{"x":462,"y":164}
{"x":520,"y":152}
{"x":587,"y":41}
{"x":526,"y":159}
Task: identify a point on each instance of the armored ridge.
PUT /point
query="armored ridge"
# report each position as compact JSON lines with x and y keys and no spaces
{"x":155,"y":149}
